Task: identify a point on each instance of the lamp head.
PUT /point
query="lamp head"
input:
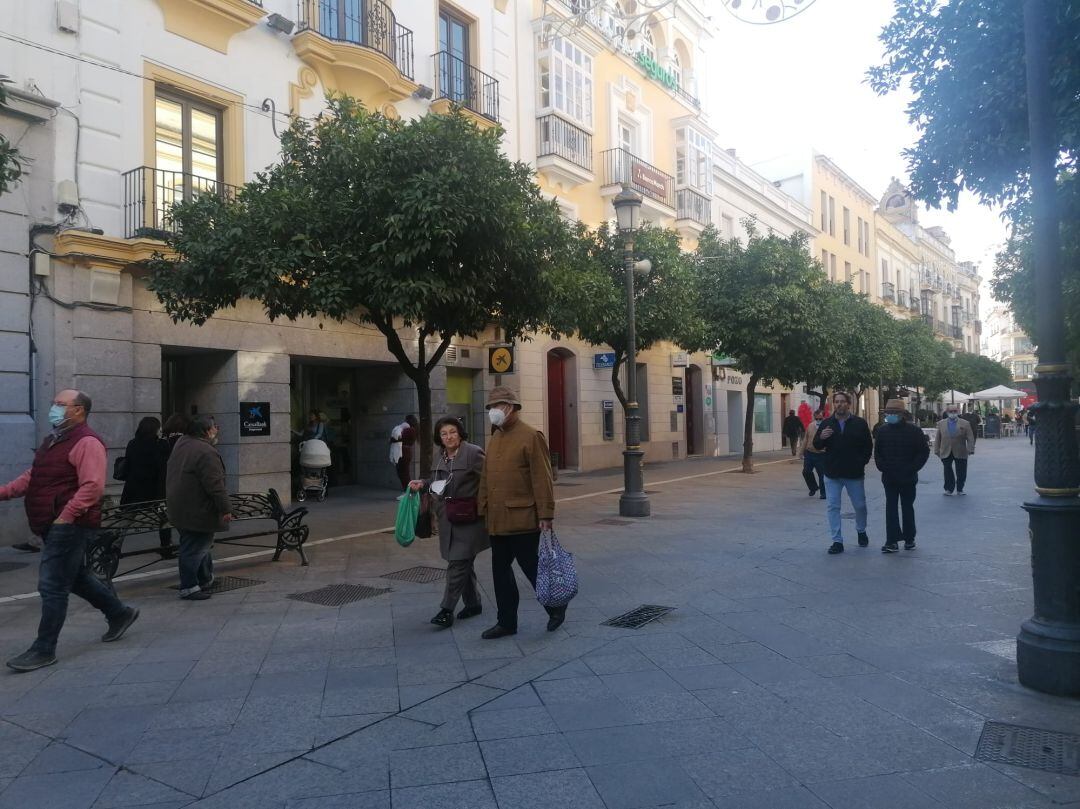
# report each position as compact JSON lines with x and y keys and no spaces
{"x":627,"y":205}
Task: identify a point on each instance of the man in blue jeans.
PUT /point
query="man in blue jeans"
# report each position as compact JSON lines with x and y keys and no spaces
{"x":62,"y":494}
{"x":848,"y":447}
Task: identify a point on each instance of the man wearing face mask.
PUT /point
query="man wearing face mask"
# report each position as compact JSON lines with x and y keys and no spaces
{"x":62,"y":493}
{"x":517,"y":500}
{"x":953,"y":443}
{"x":198,"y":504}
{"x":900,"y":451}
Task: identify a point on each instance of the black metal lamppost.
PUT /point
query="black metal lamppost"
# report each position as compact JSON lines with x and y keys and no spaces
{"x":633,"y":502}
{"x":1048,"y":646}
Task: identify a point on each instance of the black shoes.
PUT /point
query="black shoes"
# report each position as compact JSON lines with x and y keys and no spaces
{"x":469,"y":612}
{"x":823,"y":495}
{"x":909,"y":544}
{"x":118,"y":627}
{"x":864,"y":540}
{"x":497,"y":631}
{"x":31,"y":660}
{"x":555,"y":619}
{"x":813,"y":492}
{"x":890,"y":547}
{"x":444,"y":619}
{"x":836,"y":547}
{"x":198,"y":595}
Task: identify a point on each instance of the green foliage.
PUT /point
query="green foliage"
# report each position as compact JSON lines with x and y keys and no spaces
{"x":589,"y":294}
{"x":422,"y":225}
{"x":861,"y":348}
{"x":972,"y":372}
{"x":11,"y":165}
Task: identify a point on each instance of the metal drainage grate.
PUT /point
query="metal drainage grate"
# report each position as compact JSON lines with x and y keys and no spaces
{"x":418,"y":575}
{"x":7,"y":567}
{"x":222,"y":584}
{"x":638,"y":617}
{"x":335,"y":595}
{"x":613,"y":521}
{"x":1038,"y":749}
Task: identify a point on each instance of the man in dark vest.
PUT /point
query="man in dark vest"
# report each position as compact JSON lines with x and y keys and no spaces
{"x":62,"y":493}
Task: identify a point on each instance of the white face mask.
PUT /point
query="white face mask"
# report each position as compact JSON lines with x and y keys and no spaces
{"x":954,"y":416}
{"x":496,"y":416}
{"x":438,"y":486}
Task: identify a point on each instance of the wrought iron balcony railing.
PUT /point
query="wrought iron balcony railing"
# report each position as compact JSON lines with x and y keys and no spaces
{"x":557,"y":136}
{"x":150,"y":194}
{"x":461,"y":83}
{"x":367,"y":23}
{"x":623,"y":168}
{"x":902,"y":298}
{"x":888,"y":291}
{"x":693,"y":205}
{"x":916,"y":303}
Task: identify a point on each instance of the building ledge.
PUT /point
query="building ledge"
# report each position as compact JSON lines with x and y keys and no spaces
{"x":104,"y":252}
{"x":444,"y":106}
{"x":562,"y":172}
{"x":210,"y":22}
{"x":356,"y":70}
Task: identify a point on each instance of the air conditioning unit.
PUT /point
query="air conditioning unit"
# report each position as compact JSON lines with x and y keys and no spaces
{"x":450,"y":357}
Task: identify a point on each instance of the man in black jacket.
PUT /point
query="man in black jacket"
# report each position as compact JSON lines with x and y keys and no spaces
{"x":900,"y":451}
{"x":848,"y":447}
{"x":793,"y":430}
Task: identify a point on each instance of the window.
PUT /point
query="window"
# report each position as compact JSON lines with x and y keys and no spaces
{"x":454,"y":80}
{"x":825,"y":260}
{"x":628,"y":136}
{"x":648,"y":44}
{"x":187,"y":150}
{"x":863,"y":275}
{"x":676,"y":69}
{"x":847,"y":227}
{"x":832,"y":216}
{"x":824,"y":212}
{"x":847,"y":271}
{"x":885,"y":272}
{"x":566,"y":81}
{"x":866,"y":239}
{"x":693,"y":160}
{"x":763,"y":412}
{"x":832,"y":266}
{"x":727,"y":227}
{"x":860,"y":236}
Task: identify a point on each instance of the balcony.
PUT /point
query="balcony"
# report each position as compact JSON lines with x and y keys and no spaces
{"x":656,"y":186}
{"x":693,"y":207}
{"x":888,"y":291}
{"x":563,"y":151}
{"x":212,"y":23}
{"x":150,"y":194}
{"x":460,"y":84}
{"x":916,"y":304}
{"x":978,"y":325}
{"x":902,"y":298}
{"x":357,"y":47}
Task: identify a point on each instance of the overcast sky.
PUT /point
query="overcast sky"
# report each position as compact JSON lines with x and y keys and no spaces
{"x":774,"y":89}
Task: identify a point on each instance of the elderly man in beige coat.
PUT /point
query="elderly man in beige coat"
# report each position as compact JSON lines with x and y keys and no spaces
{"x":517,"y":499}
{"x":953,"y":443}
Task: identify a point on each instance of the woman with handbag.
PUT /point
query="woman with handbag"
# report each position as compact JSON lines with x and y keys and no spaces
{"x":453,"y":487}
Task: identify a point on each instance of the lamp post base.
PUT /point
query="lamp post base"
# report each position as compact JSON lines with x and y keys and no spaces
{"x":1048,"y":646}
{"x":633,"y":502}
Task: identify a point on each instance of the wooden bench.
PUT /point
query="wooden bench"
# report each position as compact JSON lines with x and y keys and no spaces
{"x":118,"y":522}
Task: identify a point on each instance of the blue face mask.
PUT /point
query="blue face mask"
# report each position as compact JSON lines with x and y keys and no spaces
{"x":892,"y":418}
{"x":57,"y":415}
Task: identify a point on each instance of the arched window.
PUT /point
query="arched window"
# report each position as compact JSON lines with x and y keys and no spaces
{"x":648,"y":43}
{"x":676,"y":69}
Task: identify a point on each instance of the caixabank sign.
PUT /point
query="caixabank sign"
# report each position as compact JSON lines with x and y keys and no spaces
{"x":254,"y":419}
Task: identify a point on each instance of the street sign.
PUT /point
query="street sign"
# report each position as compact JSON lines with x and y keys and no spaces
{"x":680,"y":359}
{"x":605,"y":359}
{"x":254,"y":419}
{"x":722,"y":360}
{"x":501,"y":360}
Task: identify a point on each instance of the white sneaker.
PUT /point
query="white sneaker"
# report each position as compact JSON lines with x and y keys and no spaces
{"x":947,"y":494}
{"x":962,"y":494}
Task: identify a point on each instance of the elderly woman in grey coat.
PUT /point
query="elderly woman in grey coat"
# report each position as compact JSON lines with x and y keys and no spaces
{"x":453,"y":487}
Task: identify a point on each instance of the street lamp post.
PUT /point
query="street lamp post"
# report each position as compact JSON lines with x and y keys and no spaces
{"x":1048,"y":646}
{"x":633,"y":502}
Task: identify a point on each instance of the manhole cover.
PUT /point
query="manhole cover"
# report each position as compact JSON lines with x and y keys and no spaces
{"x":638,"y":617}
{"x":1038,"y":749}
{"x":613,"y":521}
{"x":334,"y":595}
{"x":222,"y":584}
{"x":418,"y":575}
{"x":7,"y":567}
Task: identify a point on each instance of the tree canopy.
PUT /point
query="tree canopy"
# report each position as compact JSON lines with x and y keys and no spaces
{"x":422,"y":229}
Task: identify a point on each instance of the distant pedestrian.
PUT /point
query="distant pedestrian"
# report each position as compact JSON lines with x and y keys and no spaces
{"x":900,"y":451}
{"x":848,"y":447}
{"x":1030,"y":424}
{"x":813,"y":459}
{"x":953,"y":443}
{"x":62,"y":494}
{"x":453,"y":486}
{"x":973,"y":418}
{"x":145,"y":459}
{"x":402,"y":439}
{"x":517,"y":499}
{"x":805,"y":414}
{"x":316,"y":427}
{"x":198,"y":504}
{"x":793,"y":430}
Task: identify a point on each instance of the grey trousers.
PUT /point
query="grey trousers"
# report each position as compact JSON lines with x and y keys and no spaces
{"x":460,"y":583}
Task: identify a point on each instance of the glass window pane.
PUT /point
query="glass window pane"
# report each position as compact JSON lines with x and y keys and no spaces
{"x":168,"y":135}
{"x":204,"y":144}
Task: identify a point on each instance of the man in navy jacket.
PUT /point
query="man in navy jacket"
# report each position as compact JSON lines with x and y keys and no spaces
{"x":848,"y":447}
{"x":900,"y":451}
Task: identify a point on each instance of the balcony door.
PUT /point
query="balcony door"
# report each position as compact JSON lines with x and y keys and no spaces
{"x":187,"y":152}
{"x":342,"y":19}
{"x":454,"y":79}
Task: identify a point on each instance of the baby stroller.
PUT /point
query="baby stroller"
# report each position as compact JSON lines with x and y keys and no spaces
{"x":314,"y":461}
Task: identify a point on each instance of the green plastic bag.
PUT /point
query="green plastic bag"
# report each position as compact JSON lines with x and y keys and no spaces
{"x":407,"y":511}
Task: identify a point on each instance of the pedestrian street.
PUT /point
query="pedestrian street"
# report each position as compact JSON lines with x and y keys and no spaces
{"x":778,"y":676}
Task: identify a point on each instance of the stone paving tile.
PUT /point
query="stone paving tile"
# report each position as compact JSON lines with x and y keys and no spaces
{"x":202,"y":689}
{"x":512,"y":722}
{"x":618,"y":663}
{"x":656,"y":782}
{"x":666,"y":707}
{"x":18,"y":747}
{"x":717,"y":675}
{"x":571,"y":689}
{"x":726,"y":772}
{"x":60,"y":757}
{"x":523,"y":697}
{"x":835,"y":665}
{"x":185,"y":775}
{"x":128,"y":789}
{"x":570,"y":789}
{"x":613,"y":745}
{"x":1058,"y":788}
{"x":641,"y":683}
{"x":973,"y":786}
{"x":437,"y":765}
{"x":878,"y":792}
{"x":356,"y":800}
{"x":233,"y":766}
{"x":528,"y":754}
{"x":791,"y":798}
{"x":67,"y":790}
{"x":598,"y":713}
{"x":764,"y":672}
{"x":462,"y":795}
{"x":351,"y":701}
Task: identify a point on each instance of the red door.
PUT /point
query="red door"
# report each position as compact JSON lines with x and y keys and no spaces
{"x":557,"y":406}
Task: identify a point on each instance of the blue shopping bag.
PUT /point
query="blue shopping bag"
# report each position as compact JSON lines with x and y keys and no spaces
{"x":556,"y":575}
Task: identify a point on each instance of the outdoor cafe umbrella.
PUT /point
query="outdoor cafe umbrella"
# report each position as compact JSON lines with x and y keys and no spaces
{"x":953,"y":397}
{"x":998,"y":392}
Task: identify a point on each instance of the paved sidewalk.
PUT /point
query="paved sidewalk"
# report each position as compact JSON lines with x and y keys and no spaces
{"x":783,"y":677}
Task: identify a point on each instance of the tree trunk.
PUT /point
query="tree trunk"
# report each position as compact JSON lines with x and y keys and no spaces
{"x":423,"y":404}
{"x":748,"y":426}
